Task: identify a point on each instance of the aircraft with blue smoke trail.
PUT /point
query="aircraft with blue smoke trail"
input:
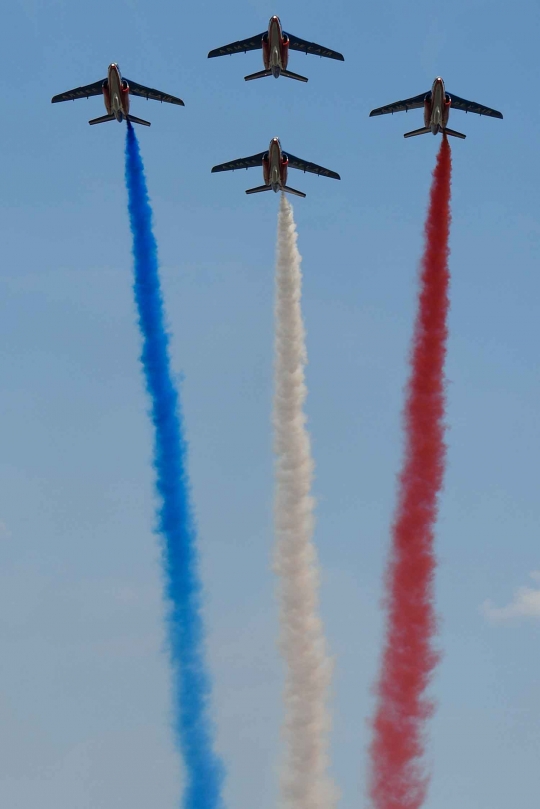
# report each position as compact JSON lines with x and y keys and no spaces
{"x":275,"y":45}
{"x":116,"y":92}
{"x":275,"y":164}
{"x":437,"y":104}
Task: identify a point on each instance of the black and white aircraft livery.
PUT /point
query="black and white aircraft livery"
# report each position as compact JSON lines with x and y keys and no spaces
{"x":436,"y":104}
{"x":275,"y":44}
{"x":116,"y":91}
{"x":274,"y":164}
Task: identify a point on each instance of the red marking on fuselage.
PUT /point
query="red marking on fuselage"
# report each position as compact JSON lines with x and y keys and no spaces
{"x":275,"y":166}
{"x":115,"y":94}
{"x":437,"y":108}
{"x":275,"y":47}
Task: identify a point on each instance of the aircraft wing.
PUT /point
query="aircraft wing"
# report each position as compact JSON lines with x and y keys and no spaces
{"x":156,"y":95}
{"x":407,"y":104}
{"x":313,"y":168}
{"x":471,"y":106}
{"x":242,"y":46}
{"x":241,"y":163}
{"x":297,"y":44}
{"x":88,"y":90}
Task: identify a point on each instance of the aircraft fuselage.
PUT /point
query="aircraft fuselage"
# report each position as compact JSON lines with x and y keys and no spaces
{"x":275,"y":48}
{"x":275,"y":166}
{"x":437,"y":108}
{"x":116,"y":93}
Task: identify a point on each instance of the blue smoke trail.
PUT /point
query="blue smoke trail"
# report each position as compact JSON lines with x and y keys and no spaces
{"x":194,"y":729}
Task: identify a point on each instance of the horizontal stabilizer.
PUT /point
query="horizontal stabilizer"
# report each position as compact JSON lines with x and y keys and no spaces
{"x":290,"y":75}
{"x":134,"y":120}
{"x":102,"y":120}
{"x":259,"y":189}
{"x":262,"y":74}
{"x":454,"y":133}
{"x":293,"y":191}
{"x":423,"y":131}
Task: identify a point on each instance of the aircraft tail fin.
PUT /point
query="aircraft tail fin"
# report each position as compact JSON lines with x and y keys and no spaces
{"x":454,"y":133}
{"x":259,"y":189}
{"x":137,"y":120}
{"x":423,"y":131}
{"x":289,"y":75}
{"x":260,"y":75}
{"x":102,"y":120}
{"x":293,"y":191}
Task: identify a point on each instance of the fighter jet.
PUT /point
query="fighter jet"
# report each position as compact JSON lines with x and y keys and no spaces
{"x":275,"y":44}
{"x":116,"y":91}
{"x":436,"y":104}
{"x":274,"y":164}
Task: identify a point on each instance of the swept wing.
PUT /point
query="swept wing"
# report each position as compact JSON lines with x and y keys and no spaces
{"x":414,"y":103}
{"x":297,"y":44}
{"x":241,"y":46}
{"x":313,"y":168}
{"x":88,"y":90}
{"x":241,"y":163}
{"x":471,"y":106}
{"x":156,"y":95}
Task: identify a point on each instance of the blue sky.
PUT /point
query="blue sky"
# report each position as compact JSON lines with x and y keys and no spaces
{"x":84,"y":683}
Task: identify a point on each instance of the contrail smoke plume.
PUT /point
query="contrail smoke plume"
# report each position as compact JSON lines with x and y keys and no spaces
{"x":398,"y":778}
{"x":192,"y":686}
{"x":305,"y":784}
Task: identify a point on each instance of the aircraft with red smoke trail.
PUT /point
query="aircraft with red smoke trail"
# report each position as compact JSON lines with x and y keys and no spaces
{"x":437,"y":104}
{"x":275,"y":164}
{"x":275,"y":45}
{"x":116,"y":92}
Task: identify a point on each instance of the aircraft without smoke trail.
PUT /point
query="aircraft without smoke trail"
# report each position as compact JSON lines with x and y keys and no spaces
{"x":116,"y":92}
{"x":436,"y":104}
{"x":275,"y":44}
{"x":274,"y":164}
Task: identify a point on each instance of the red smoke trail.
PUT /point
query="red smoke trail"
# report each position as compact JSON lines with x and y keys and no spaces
{"x":398,"y":780}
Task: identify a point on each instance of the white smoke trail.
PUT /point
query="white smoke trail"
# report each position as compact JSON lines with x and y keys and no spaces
{"x":305,"y":783}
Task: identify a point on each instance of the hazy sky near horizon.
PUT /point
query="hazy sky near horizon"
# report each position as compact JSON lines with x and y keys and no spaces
{"x":84,"y":681}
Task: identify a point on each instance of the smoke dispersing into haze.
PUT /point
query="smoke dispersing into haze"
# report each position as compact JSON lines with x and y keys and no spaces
{"x":175,"y":523}
{"x":305,"y":783}
{"x":397,"y":777}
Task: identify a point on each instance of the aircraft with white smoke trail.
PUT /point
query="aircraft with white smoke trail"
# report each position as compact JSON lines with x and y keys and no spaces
{"x":436,"y":103}
{"x":275,"y":164}
{"x":275,"y":45}
{"x":116,"y":92}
